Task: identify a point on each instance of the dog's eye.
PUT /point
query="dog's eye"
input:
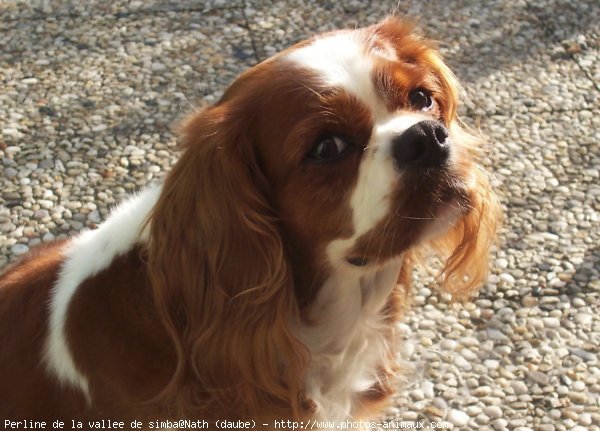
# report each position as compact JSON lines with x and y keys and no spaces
{"x":328,"y":149}
{"x":420,"y":99}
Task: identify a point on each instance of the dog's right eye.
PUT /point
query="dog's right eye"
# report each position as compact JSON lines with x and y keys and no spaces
{"x":420,"y":99}
{"x":328,"y":149}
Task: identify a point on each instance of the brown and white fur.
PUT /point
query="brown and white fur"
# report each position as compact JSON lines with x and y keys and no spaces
{"x":263,"y":278}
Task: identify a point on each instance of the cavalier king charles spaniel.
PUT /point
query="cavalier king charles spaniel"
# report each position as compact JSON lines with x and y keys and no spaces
{"x":263,"y":278}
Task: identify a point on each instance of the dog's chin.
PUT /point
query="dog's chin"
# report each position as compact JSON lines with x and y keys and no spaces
{"x":424,"y":217}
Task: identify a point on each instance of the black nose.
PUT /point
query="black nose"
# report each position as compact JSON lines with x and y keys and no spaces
{"x":423,"y":145}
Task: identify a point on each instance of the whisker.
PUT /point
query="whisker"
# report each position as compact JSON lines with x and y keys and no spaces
{"x":414,"y":218}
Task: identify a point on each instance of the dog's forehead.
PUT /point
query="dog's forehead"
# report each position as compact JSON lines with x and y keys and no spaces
{"x":346,"y":59}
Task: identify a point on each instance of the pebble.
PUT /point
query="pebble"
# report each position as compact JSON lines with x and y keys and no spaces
{"x":492,"y":364}
{"x":500,"y":424}
{"x":462,"y":363}
{"x":19,"y":249}
{"x":428,"y":389}
{"x":457,"y":417}
{"x":493,"y":412}
{"x":539,"y":377}
{"x":468,"y":342}
{"x":586,"y":356}
{"x":551,"y":322}
{"x":578,"y":386}
{"x":440,"y":403}
{"x":10,"y":172}
{"x":529,"y":301}
{"x":577,"y":397}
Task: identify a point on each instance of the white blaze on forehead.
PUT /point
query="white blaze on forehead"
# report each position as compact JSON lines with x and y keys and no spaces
{"x":343,"y":60}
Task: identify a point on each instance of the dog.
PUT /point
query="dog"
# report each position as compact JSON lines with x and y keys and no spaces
{"x":262,"y":279}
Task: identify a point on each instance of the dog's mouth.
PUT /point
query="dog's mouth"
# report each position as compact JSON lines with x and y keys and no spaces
{"x":428,"y":206}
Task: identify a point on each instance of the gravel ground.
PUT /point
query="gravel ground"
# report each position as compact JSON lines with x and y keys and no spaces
{"x":90,"y":92}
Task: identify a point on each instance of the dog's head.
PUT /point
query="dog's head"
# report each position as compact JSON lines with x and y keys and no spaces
{"x":340,"y":153}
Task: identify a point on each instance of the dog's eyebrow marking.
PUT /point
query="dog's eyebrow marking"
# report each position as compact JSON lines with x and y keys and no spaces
{"x":86,"y":255}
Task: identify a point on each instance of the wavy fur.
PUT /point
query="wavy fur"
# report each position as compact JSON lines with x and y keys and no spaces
{"x":229,"y":317}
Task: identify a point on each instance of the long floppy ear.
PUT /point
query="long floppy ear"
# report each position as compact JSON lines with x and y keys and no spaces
{"x":221,"y":280}
{"x":465,"y":248}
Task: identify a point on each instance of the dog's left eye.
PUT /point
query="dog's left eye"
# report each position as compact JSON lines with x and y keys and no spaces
{"x":420,"y":99}
{"x":328,"y":149}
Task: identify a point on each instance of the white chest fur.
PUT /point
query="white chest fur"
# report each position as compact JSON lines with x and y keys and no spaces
{"x":347,"y":338}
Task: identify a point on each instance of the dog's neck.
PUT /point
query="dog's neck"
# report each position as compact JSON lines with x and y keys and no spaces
{"x":348,"y":338}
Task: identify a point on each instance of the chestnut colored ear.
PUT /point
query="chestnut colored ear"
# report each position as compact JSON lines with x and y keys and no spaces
{"x":467,"y":245}
{"x":221,"y":280}
{"x":465,"y":248}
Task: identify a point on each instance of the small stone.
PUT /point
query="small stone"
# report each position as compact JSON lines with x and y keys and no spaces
{"x":585,"y":419}
{"x":502,"y":263}
{"x":448,"y":344}
{"x":7,"y":227}
{"x":439,"y":403}
{"x":519,"y":387}
{"x":10,"y":172}
{"x":11,"y":132}
{"x":493,"y":412}
{"x":428,"y":389}
{"x":19,"y":249}
{"x":434,"y":411}
{"x":500,"y":424}
{"x":45,"y":203}
{"x":482,"y":391}
{"x":457,"y":417}
{"x":583,"y":319}
{"x":586,"y":356}
{"x":94,"y":217}
{"x":76,"y":225}
{"x":469,"y":341}
{"x":529,"y":301}
{"x":462,"y":363}
{"x":417,"y":395}
{"x":39,"y":214}
{"x":551,"y":322}
{"x":11,"y":151}
{"x":496,"y":335}
{"x":491,"y":364}
{"x":570,"y":414}
{"x":539,"y":377}
{"x":577,"y":397}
